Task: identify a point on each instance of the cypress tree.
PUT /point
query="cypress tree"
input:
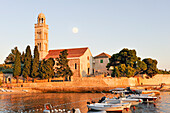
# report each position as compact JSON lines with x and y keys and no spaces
{"x":63,"y":70}
{"x":22,"y":57}
{"x":42,"y":70}
{"x":27,"y":63}
{"x":17,"y":66}
{"x":46,"y":68}
{"x":35,"y":65}
{"x":49,"y":68}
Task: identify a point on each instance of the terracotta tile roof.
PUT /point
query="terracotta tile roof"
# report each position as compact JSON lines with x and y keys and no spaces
{"x":75,"y":52}
{"x":103,"y":55}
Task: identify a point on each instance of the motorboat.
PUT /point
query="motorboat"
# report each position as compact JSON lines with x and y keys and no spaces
{"x":115,"y":105}
{"x":142,"y":91}
{"x":119,"y":90}
{"x":96,"y":111}
{"x":157,"y":92}
{"x":109,"y":107}
{"x":133,"y":102}
{"x":145,"y":98}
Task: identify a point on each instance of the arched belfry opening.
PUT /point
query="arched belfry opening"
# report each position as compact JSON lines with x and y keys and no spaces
{"x":41,"y":35}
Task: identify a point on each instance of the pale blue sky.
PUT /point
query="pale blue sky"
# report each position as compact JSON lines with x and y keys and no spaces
{"x":104,"y":26}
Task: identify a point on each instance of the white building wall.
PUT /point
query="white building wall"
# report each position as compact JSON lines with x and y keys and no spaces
{"x":85,"y":63}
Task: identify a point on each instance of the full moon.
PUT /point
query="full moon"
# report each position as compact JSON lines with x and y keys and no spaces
{"x":75,"y":30}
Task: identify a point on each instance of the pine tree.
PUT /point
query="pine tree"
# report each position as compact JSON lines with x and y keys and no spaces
{"x":27,"y":63}
{"x":63,"y":70}
{"x":17,"y":66}
{"x":11,"y":57}
{"x":35,"y":65}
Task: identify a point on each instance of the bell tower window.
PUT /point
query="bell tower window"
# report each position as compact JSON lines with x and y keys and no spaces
{"x":42,"y":20}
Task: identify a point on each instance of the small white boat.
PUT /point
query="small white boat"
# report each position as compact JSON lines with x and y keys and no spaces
{"x":106,"y":107}
{"x":96,"y":112}
{"x":145,"y":98}
{"x":157,"y":92}
{"x":132,"y":101}
{"x":124,"y":100}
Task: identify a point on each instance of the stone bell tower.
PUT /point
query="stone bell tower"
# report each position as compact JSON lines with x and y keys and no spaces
{"x":41,"y":36}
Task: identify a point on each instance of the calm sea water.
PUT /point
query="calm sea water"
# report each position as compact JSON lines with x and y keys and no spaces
{"x":35,"y":102}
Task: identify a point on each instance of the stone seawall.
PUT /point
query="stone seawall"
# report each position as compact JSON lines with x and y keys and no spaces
{"x":93,"y":84}
{"x":156,"y":80}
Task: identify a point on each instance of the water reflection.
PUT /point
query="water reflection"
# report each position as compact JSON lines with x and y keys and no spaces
{"x":26,"y":102}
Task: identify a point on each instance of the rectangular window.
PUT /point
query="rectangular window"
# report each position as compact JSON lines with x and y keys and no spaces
{"x":101,"y":61}
{"x":75,"y":66}
{"x":88,"y":71}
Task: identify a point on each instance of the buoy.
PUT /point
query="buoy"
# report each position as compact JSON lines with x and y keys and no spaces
{"x":134,"y":108}
{"x":47,"y":107}
{"x":140,"y":101}
{"x":154,"y":105}
{"x":127,"y":109}
{"x":159,"y":97}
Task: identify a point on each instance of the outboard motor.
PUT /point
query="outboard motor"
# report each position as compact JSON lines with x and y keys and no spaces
{"x":102,"y":99}
{"x":88,"y":102}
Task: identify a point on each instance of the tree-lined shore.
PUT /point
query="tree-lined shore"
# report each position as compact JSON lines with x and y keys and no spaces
{"x":126,"y":63}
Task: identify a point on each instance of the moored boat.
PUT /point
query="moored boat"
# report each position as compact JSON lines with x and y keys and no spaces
{"x":145,"y":98}
{"x":106,"y":107}
{"x":123,"y":100}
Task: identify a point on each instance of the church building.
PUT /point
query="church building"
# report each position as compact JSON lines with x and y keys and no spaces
{"x":80,"y":59}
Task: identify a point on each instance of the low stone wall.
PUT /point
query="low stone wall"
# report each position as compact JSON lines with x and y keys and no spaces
{"x":156,"y":80}
{"x":120,"y":82}
{"x":93,"y":84}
